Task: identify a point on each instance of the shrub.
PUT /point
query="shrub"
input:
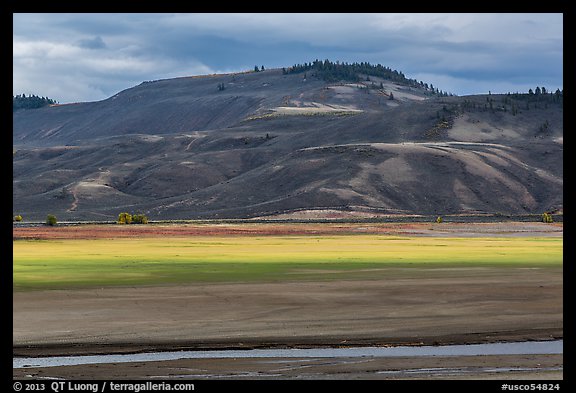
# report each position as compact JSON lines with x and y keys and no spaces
{"x":139,"y":219}
{"x":51,"y":220}
{"x":547,"y":218}
{"x":17,"y":218}
{"x":124,"y":218}
{"x":439,"y":220}
{"x":127,"y":218}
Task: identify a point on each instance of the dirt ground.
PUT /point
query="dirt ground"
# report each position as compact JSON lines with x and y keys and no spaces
{"x":400,"y":306}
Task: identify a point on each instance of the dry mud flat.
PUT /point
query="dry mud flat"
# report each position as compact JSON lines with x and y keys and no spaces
{"x":457,"y":307}
{"x":400,"y":306}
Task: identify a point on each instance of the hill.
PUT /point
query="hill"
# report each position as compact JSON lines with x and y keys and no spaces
{"x":274,"y":142}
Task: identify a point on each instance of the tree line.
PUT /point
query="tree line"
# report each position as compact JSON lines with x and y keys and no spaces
{"x":334,"y":71}
{"x":30,"y":102}
{"x":539,"y":98}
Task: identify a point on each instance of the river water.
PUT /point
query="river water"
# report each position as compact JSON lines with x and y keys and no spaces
{"x":515,"y":348}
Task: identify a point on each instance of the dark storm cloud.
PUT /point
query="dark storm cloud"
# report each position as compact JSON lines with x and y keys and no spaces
{"x":75,"y":57}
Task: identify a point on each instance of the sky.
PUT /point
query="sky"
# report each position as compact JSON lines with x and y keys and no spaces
{"x":79,"y":57}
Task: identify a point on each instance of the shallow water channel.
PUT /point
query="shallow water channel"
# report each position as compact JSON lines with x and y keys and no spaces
{"x":515,"y":348}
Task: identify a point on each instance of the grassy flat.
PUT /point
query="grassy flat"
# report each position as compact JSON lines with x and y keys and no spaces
{"x":58,"y":264}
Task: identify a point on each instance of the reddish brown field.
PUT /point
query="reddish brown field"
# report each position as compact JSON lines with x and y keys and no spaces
{"x":97,"y":231}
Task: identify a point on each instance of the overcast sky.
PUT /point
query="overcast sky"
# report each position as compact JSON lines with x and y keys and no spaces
{"x":90,"y":57}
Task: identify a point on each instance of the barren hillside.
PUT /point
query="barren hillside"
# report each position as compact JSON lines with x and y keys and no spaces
{"x":270,"y":143}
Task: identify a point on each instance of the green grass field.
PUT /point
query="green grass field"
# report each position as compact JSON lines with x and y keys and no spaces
{"x":57,"y":264}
